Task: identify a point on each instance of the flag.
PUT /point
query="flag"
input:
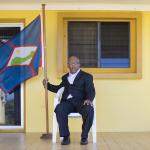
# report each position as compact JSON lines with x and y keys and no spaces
{"x":20,"y":57}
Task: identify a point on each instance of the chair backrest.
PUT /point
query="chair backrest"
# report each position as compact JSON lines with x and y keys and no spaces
{"x":60,"y":92}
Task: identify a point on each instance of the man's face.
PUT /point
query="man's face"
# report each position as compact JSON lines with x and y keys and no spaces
{"x":73,"y":64}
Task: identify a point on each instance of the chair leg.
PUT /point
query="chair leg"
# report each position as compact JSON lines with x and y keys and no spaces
{"x":94,"y":130}
{"x":55,"y":126}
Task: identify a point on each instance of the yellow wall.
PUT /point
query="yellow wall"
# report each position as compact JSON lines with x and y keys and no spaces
{"x":122,"y":105}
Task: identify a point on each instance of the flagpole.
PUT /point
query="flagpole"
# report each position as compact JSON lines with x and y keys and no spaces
{"x":46,"y":135}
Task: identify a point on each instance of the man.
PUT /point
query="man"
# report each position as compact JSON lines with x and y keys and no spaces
{"x":78,"y":95}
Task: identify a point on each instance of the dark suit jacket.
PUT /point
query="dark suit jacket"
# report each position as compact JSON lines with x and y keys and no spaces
{"x":81,"y":89}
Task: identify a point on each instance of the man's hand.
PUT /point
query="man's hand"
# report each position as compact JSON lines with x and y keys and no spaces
{"x":88,"y":102}
{"x":45,"y":81}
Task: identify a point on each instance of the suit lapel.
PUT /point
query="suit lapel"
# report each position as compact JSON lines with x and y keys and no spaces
{"x":77,"y":77}
{"x":66,"y":77}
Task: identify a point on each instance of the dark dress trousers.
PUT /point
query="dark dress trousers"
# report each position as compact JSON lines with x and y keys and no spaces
{"x":81,"y":90}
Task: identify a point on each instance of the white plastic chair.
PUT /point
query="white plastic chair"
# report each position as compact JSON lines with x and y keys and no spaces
{"x":74,"y":115}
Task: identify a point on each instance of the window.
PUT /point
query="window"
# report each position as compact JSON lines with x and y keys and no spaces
{"x":12,"y":104}
{"x":108,"y":44}
{"x":100,"y":44}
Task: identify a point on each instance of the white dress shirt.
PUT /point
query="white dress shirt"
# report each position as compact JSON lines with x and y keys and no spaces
{"x":71,"y":79}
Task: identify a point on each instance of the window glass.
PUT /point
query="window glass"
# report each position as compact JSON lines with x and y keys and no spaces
{"x":10,"y":104}
{"x":100,"y":44}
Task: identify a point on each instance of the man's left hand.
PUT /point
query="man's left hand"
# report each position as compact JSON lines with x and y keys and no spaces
{"x":88,"y":102}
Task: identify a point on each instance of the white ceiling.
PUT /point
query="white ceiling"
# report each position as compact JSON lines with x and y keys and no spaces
{"x":75,"y":1}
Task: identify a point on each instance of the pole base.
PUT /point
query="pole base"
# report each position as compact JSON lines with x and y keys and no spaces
{"x":46,"y":136}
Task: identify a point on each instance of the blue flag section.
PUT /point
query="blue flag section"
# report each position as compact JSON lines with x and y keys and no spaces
{"x":20,"y":57}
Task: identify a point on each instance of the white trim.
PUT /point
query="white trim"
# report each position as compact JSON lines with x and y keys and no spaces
{"x":22,"y":106}
{"x":12,"y":25}
{"x":7,"y":127}
{"x":77,"y":6}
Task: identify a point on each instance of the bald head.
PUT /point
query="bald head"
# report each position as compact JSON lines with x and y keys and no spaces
{"x":73,"y":58}
{"x":73,"y":64}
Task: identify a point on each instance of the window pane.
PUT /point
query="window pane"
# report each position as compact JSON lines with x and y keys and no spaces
{"x":115,"y":45}
{"x":7,"y":33}
{"x":10,"y":109}
{"x":82,"y":42}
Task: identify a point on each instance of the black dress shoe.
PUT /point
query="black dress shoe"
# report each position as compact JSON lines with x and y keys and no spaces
{"x":84,"y":141}
{"x":66,"y":140}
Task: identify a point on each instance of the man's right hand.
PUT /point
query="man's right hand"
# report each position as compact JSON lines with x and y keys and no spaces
{"x":88,"y":102}
{"x":45,"y":81}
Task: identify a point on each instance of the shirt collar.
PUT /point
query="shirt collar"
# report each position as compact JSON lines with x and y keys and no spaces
{"x":70,"y":74}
